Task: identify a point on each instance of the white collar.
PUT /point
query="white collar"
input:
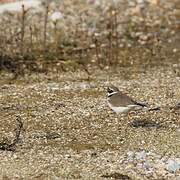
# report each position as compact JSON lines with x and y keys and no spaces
{"x":110,"y":94}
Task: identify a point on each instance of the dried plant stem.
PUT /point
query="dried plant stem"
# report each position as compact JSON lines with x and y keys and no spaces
{"x":116,"y":37}
{"x":110,"y":44}
{"x":83,"y":64}
{"x":56,"y":37}
{"x":31,"y":39}
{"x":3,"y":45}
{"x":45,"y":27}
{"x":22,"y":29}
{"x":11,"y":147}
{"x":36,"y":36}
{"x":97,"y":51}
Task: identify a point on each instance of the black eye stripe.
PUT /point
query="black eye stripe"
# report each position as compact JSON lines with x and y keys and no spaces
{"x":110,"y":90}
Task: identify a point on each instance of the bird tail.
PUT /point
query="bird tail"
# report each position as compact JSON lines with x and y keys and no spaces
{"x":146,"y":106}
{"x":141,"y":104}
{"x":154,"y":109}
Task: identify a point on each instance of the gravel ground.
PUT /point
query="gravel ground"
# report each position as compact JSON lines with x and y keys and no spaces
{"x":69,"y":132}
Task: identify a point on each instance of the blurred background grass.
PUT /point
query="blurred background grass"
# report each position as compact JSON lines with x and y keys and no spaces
{"x":69,"y":35}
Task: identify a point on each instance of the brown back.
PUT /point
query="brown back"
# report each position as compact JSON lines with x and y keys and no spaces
{"x":120,"y":99}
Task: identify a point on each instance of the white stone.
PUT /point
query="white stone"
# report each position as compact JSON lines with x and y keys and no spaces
{"x":56,"y":16}
{"x":173,"y":165}
{"x":17,"y":6}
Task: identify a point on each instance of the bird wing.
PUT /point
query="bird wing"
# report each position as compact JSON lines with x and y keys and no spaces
{"x":121,"y":100}
{"x":140,"y":104}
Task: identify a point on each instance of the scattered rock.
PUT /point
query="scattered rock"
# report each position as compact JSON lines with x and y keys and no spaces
{"x":145,"y":123}
{"x":117,"y":176}
{"x":173,"y":165}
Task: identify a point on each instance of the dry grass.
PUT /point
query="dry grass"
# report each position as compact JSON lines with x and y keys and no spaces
{"x":89,"y":34}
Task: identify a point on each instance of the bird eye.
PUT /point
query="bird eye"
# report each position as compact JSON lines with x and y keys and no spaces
{"x":110,"y":90}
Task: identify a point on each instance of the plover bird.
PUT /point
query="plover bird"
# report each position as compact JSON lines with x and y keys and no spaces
{"x":122,"y":103}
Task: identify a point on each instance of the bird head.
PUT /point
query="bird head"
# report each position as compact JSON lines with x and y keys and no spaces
{"x":112,"y":90}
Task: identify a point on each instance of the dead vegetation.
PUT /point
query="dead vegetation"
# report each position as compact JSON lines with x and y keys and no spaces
{"x":90,"y":34}
{"x":5,"y":145}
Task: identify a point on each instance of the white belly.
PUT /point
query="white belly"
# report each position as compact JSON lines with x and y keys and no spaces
{"x":122,"y":109}
{"x":119,"y":109}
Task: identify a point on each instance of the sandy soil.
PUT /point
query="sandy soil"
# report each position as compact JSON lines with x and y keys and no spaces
{"x":70,"y":133}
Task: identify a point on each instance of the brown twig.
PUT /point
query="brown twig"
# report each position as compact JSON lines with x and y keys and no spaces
{"x":11,"y":147}
{"x":22,"y":29}
{"x":31,"y":38}
{"x":116,"y":36}
{"x":45,"y":26}
{"x":97,"y":51}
